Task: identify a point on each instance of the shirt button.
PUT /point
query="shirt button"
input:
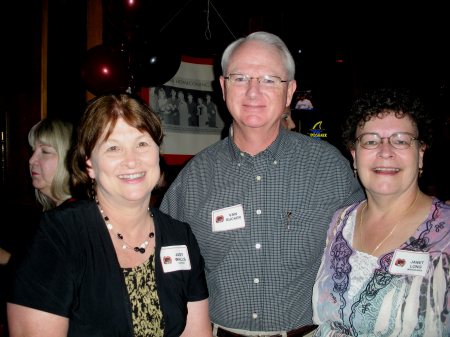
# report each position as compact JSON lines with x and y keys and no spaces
{"x":258,"y":178}
{"x":258,"y":211}
{"x":242,"y":154}
{"x":275,"y":162}
{"x":258,"y":246}
{"x":254,"y":315}
{"x":256,"y":280}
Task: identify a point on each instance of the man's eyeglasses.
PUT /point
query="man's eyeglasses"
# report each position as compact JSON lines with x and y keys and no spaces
{"x":264,"y":80}
{"x":399,"y":140}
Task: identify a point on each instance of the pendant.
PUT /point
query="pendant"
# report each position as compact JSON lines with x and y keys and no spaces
{"x":139,"y":250}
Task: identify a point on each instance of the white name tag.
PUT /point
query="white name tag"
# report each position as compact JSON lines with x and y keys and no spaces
{"x":228,"y":218}
{"x":175,"y":258}
{"x":405,"y":262}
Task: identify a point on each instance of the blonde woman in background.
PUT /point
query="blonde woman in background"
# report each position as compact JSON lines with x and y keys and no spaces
{"x":50,"y":140}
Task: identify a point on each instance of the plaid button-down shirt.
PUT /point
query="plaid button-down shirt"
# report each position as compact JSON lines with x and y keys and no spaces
{"x":261,"y":277}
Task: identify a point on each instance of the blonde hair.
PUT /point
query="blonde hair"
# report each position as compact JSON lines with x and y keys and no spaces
{"x":59,"y":135}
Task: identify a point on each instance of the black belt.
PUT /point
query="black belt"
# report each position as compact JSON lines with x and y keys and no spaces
{"x":293,"y":333}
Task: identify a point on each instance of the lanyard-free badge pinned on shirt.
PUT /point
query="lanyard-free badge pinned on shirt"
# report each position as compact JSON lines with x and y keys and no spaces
{"x":228,"y":218}
{"x":405,"y":262}
{"x":175,"y":258}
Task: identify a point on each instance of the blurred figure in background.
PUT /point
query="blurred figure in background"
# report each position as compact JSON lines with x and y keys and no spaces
{"x":286,"y":119}
{"x":303,"y":103}
{"x":50,"y":140}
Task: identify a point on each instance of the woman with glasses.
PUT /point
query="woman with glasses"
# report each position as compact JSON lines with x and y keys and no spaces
{"x":385,"y":271}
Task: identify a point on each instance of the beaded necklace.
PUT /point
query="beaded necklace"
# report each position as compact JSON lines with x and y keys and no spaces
{"x":125,"y":245}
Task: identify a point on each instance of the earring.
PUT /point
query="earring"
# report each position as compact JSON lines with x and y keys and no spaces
{"x":420,"y":171}
{"x":355,"y":172}
{"x":92,"y":192}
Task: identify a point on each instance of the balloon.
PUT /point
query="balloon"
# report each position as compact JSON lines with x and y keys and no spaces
{"x":105,"y":69}
{"x":132,"y":5}
{"x":154,"y":62}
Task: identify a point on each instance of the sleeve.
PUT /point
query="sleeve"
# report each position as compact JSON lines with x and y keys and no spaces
{"x":173,"y":198}
{"x":42,"y":277}
{"x":338,"y":216}
{"x":353,"y":189}
{"x":168,"y":204}
{"x":196,"y":289}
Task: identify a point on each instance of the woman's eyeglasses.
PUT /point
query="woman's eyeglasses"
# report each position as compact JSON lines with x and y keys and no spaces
{"x":398,"y":140}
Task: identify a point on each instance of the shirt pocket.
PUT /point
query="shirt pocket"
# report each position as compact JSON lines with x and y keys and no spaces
{"x":301,"y":236}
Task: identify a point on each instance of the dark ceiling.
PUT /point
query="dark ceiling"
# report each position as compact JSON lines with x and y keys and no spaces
{"x":381,"y":41}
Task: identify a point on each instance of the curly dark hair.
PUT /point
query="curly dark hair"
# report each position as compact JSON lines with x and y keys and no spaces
{"x":380,"y":102}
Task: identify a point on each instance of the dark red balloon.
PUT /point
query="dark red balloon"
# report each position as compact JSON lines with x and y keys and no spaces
{"x":132,"y":4}
{"x":105,"y":69}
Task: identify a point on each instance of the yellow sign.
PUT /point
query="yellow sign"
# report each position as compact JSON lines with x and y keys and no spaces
{"x":317,"y":131}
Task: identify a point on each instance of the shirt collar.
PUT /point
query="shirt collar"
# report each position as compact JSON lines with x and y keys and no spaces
{"x":273,"y":150}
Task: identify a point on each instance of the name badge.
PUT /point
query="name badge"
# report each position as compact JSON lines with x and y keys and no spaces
{"x":405,"y":262}
{"x":175,"y":258}
{"x":228,"y":218}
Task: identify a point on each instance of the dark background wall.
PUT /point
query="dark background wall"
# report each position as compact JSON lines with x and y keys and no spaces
{"x":21,"y":87}
{"x":380,"y":44}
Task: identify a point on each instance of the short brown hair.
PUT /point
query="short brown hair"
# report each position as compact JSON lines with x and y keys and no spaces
{"x":101,"y":113}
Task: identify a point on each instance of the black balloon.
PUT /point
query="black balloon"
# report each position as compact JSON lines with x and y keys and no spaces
{"x":154,"y":62}
{"x":105,"y":69}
